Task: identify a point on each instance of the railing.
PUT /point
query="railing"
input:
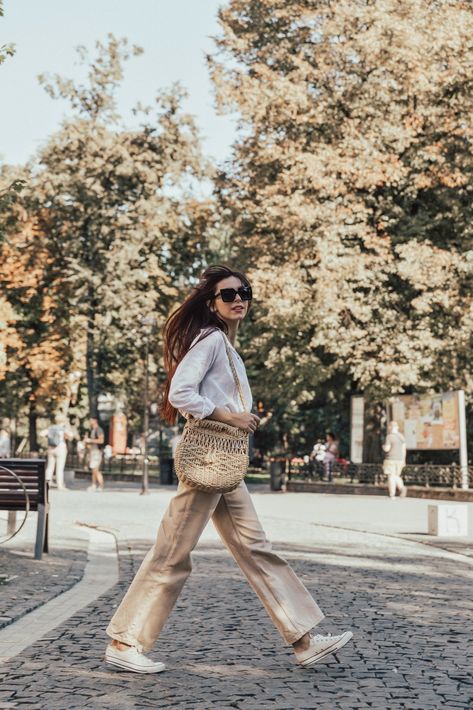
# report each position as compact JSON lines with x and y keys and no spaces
{"x":427,"y":475}
{"x":446,"y":476}
{"x":131,"y":464}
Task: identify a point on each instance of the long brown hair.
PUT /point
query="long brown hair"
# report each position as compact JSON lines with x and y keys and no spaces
{"x":185,"y":324}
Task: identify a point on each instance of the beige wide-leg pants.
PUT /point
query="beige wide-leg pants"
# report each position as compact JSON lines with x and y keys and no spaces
{"x":148,"y":602}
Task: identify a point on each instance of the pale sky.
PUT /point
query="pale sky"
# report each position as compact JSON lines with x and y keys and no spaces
{"x":175,"y":34}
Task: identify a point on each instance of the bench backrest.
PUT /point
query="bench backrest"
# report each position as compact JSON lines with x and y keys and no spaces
{"x":32,"y":474}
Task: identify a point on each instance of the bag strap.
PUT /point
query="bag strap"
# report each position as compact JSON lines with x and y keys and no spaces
{"x":234,"y":372}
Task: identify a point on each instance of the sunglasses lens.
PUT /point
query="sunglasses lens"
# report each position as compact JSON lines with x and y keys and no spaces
{"x":228,"y":294}
{"x":245,"y":293}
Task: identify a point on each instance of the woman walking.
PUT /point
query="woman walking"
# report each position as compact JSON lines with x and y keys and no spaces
{"x":204,"y":370}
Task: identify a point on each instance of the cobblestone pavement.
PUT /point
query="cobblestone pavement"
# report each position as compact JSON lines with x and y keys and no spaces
{"x":410,"y":610}
{"x":26,"y":583}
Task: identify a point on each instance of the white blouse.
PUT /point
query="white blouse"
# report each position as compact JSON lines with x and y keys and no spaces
{"x":203,"y":379}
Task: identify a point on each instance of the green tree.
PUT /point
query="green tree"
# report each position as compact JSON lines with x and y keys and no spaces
{"x":35,"y":342}
{"x":120,"y":217}
{"x":350,"y":193}
{"x":8,"y":189}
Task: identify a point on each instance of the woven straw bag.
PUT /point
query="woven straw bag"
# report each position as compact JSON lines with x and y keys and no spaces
{"x":212,"y":456}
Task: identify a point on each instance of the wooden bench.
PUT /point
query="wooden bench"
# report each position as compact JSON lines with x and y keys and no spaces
{"x":31,"y":472}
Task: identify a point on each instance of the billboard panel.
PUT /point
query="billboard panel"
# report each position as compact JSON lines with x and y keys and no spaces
{"x":427,"y":421}
{"x":357,"y":429}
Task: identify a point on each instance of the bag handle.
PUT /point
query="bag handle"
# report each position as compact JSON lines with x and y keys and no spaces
{"x":234,"y":372}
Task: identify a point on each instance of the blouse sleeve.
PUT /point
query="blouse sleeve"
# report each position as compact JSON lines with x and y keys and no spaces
{"x":184,"y":391}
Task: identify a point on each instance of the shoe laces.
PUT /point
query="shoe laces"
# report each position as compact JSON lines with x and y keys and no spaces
{"x":320,"y":637}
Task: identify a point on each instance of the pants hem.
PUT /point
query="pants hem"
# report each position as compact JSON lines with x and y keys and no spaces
{"x":292,"y":638}
{"x":125,"y":638}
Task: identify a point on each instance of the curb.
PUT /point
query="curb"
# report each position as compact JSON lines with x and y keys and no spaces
{"x":74,"y":577}
{"x":101,"y":573}
{"x":453,"y":494}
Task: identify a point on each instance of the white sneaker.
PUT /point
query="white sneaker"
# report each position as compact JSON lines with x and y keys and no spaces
{"x":132,"y":660}
{"x":93,"y":487}
{"x":321,"y":646}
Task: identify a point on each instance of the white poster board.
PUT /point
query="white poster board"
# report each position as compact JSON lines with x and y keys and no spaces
{"x":429,"y":422}
{"x":435,"y":422}
{"x":357,"y":429}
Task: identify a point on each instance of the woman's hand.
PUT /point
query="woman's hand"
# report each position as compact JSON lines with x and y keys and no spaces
{"x":243,"y":420}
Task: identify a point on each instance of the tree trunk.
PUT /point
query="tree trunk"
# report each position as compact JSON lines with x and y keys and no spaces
{"x":32,"y":429}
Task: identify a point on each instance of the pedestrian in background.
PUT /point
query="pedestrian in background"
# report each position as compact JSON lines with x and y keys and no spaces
{"x":57,"y":435}
{"x":316,"y":460}
{"x":198,"y":340}
{"x":95,"y":443}
{"x":5,"y":439}
{"x":394,"y":460}
{"x":331,"y":454}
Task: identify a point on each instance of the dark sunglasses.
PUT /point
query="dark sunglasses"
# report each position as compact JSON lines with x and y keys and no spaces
{"x":228,"y":295}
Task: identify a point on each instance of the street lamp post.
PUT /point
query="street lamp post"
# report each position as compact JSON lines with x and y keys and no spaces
{"x":149,"y":322}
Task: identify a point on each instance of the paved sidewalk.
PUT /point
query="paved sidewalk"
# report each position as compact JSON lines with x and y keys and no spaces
{"x":409,"y":606}
{"x":27,"y":584}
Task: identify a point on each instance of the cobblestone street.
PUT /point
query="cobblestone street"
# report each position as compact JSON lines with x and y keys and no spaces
{"x":409,"y":607}
{"x":59,"y":571}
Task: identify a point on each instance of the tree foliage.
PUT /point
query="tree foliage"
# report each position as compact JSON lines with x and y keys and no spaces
{"x":350,"y":191}
{"x":8,"y":189}
{"x":117,"y":206}
{"x":35,"y":342}
{"x":348,"y":198}
{"x":6,"y":50}
{"x":118,"y":225}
